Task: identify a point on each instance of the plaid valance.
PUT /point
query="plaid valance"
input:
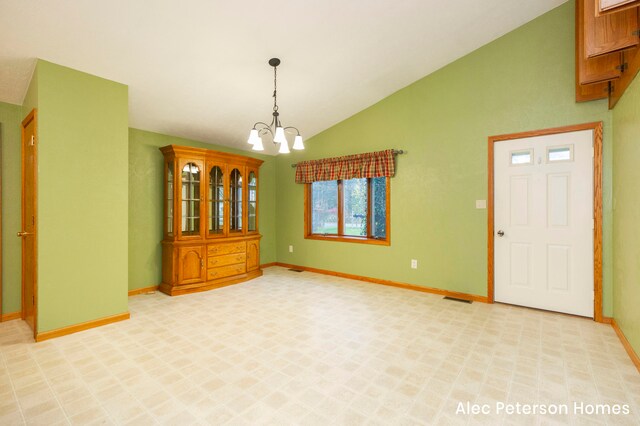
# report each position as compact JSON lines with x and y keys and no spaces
{"x":367,"y":165}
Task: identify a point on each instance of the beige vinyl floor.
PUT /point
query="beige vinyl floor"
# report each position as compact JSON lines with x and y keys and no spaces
{"x":301,"y":348}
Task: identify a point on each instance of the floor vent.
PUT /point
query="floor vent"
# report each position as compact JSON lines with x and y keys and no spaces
{"x":455,"y":299}
{"x":295,"y":270}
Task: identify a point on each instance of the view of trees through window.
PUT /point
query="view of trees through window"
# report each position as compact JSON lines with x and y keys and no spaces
{"x":356,"y":212}
{"x":325,"y":207}
{"x":355,"y":207}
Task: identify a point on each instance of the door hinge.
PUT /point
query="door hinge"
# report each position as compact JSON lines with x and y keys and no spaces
{"x":32,"y":141}
{"x":593,"y":224}
{"x":33,"y":220}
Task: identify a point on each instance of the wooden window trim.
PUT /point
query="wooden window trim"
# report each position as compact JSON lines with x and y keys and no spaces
{"x":309,"y":235}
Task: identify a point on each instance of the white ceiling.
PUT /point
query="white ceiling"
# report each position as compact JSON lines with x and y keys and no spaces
{"x":198,"y":68}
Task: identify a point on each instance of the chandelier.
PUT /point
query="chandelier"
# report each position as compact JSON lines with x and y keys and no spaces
{"x":275,"y":129}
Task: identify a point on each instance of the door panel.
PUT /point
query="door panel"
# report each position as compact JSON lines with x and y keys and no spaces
{"x":190,"y":264}
{"x":521,"y":267}
{"x":28,"y":233}
{"x":519,"y":198}
{"x":253,"y":255}
{"x":558,"y":194}
{"x":544,"y":209}
{"x":559,"y":261}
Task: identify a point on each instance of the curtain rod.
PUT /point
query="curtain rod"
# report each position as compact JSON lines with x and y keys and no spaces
{"x":395,"y":152}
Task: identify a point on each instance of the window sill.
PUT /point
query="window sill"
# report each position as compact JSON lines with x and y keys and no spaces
{"x":345,"y":239}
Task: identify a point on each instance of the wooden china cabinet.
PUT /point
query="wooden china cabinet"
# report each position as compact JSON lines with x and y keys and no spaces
{"x":211,"y":234}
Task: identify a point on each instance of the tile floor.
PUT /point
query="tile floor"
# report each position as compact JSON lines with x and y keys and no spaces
{"x":301,"y":348}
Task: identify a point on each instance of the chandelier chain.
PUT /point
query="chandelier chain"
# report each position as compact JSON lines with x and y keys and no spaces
{"x":275,"y":88}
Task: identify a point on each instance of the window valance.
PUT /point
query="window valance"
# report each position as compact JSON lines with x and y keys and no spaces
{"x":367,"y":165}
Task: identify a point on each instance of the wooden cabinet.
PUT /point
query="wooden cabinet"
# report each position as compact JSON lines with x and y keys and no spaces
{"x":604,"y":7}
{"x":605,"y":49}
{"x":210,"y":224}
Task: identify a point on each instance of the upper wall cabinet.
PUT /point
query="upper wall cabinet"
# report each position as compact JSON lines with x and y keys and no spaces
{"x":606,"y":47}
{"x":210,"y":226}
{"x":604,"y":7}
{"x":609,"y":33}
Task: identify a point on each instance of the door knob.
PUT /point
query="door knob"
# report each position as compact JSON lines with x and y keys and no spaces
{"x":501,"y":233}
{"x":24,"y":233}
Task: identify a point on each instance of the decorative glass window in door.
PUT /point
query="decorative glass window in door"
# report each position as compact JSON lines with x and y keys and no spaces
{"x":235,"y":207}
{"x":190,"y":199}
{"x":253,"y":199}
{"x":170,"y":199}
{"x":216,"y":201}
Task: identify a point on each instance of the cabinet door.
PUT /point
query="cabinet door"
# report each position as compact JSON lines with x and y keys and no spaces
{"x":608,"y":33}
{"x":236,"y":199}
{"x":216,"y":195}
{"x":253,"y":255}
{"x":169,"y":196}
{"x":190,"y":264}
{"x":191,"y":198}
{"x":632,"y":66}
{"x":252,"y":200}
{"x":613,"y":6}
{"x":598,"y":69}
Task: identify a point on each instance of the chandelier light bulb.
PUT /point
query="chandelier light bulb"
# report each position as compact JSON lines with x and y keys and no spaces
{"x":279,"y":137}
{"x":253,"y":136}
{"x":257,"y":144}
{"x":297,"y":143}
{"x":284,"y":147}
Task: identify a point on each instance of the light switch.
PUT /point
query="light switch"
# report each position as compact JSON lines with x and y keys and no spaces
{"x":481,"y":204}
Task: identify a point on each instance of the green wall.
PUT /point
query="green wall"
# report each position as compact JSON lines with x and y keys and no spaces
{"x":522,"y":81}
{"x":626,"y":214}
{"x":10,"y":119}
{"x":82,"y":196}
{"x":145,"y":204}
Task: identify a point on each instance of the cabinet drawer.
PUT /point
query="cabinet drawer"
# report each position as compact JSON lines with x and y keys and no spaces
{"x":227,"y":259}
{"x":229,"y":248}
{"x":226,"y":271}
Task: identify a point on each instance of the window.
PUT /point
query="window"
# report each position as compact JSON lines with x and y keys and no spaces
{"x":519,"y":158}
{"x":354,"y":210}
{"x":559,"y":153}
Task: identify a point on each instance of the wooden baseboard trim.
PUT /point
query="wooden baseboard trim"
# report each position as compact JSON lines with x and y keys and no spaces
{"x":606,"y":320}
{"x":627,"y":346}
{"x":46,"y":335}
{"x":143,"y":290}
{"x":268,"y":265}
{"x":474,"y":297}
{"x":11,"y":316}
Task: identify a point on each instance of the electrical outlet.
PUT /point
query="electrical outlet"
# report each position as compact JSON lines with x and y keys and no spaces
{"x":414,"y":264}
{"x":290,"y":249}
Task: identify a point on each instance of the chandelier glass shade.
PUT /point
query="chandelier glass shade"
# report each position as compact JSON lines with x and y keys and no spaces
{"x":275,"y":128}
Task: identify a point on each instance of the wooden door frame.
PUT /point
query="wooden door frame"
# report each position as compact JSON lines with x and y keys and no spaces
{"x":597,"y":205}
{"x":32,"y":116}
{"x":1,"y":288}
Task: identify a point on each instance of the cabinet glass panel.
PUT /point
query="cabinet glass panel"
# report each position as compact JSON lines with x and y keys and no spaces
{"x":169,"y":209}
{"x":235,"y":201}
{"x":190,"y":199}
{"x":216,"y":201}
{"x":253,"y":199}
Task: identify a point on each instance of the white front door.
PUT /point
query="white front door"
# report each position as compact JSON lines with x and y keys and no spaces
{"x":543,"y":222}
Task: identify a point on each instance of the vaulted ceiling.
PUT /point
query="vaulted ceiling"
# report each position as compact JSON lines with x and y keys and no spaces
{"x":198,"y":68}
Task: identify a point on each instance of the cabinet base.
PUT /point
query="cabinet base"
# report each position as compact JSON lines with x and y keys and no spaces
{"x":177,"y":290}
